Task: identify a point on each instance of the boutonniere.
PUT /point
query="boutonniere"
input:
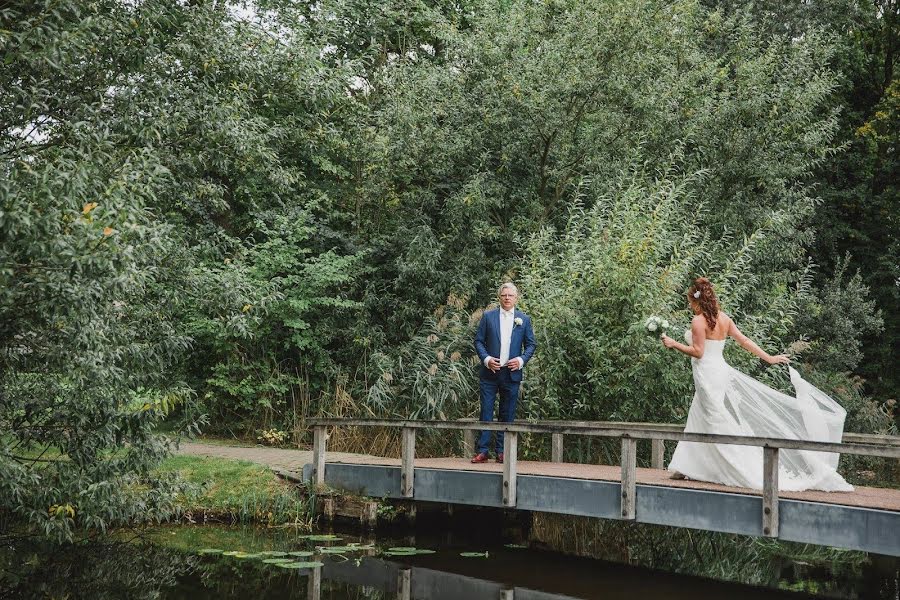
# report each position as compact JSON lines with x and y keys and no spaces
{"x":517,"y":321}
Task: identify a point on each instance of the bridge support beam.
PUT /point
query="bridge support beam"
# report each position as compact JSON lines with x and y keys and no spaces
{"x":404,"y":584}
{"x":510,"y":453}
{"x":407,"y":458}
{"x":318,"y":466}
{"x":770,"y":492}
{"x":629,"y":477}
{"x":314,"y":584}
{"x":556,"y":447}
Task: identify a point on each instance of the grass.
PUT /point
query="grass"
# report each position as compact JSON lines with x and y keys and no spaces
{"x":248,"y":538}
{"x":235,"y":491}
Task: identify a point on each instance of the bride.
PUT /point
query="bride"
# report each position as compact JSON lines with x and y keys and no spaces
{"x":729,"y":402}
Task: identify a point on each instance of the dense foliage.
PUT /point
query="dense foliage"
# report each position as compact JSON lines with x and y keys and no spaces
{"x":259,"y":212}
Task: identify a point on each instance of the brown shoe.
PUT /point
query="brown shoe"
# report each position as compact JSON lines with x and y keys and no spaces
{"x":500,"y":458}
{"x":481,"y":457}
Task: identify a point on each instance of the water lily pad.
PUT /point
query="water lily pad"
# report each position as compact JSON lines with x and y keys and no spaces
{"x":321,"y":538}
{"x":474,"y":554}
{"x":234,"y":553}
{"x":278,"y":561}
{"x":300,"y":565}
{"x":211,"y":551}
{"x":301,"y":553}
{"x":516,"y":546}
{"x":245,"y":555}
{"x":349,"y":548}
{"x":406,"y":551}
{"x":273,"y":553}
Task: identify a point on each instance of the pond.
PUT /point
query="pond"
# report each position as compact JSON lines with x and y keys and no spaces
{"x":206,"y":562}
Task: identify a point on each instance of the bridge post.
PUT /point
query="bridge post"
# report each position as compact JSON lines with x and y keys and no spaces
{"x":407,"y":457}
{"x":556,"y":447}
{"x":629,"y":479}
{"x":404,"y":584}
{"x":657,"y":453}
{"x":314,"y":584}
{"x":469,"y":442}
{"x":770,"y":492}
{"x":318,"y":466}
{"x":510,"y":452}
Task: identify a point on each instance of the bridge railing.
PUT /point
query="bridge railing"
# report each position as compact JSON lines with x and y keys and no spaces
{"x":629,"y":434}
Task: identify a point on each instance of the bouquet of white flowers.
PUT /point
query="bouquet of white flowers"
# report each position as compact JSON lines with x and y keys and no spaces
{"x":656,"y":326}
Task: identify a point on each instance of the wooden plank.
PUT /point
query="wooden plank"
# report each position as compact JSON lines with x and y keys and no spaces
{"x":556,"y":447}
{"x":510,"y":452}
{"x":770,"y":492}
{"x":318,"y":465}
{"x":657,"y":454}
{"x":617,"y":431}
{"x":868,"y":438}
{"x":629,"y":477}
{"x":862,"y":438}
{"x":407,"y":458}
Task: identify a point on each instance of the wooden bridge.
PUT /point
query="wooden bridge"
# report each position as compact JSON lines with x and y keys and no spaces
{"x":866,"y":519}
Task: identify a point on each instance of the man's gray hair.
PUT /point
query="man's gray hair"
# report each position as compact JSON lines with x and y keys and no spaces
{"x":508,"y":284}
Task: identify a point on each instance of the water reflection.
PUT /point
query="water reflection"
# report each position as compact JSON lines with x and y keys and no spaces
{"x":496,"y":579}
{"x":102,"y":571}
{"x":167,"y":566}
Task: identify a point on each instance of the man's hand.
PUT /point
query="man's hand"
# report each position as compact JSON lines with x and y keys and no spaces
{"x":494,"y":364}
{"x":514,"y":364}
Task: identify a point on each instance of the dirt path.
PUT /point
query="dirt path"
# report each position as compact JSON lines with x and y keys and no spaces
{"x":275,"y":458}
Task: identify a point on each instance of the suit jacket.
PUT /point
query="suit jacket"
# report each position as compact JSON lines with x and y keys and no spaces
{"x":487,"y":341}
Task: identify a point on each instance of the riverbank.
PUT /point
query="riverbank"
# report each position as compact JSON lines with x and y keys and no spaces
{"x":228,"y":490}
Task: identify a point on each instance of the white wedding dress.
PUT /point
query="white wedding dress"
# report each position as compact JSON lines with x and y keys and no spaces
{"x":729,"y":402}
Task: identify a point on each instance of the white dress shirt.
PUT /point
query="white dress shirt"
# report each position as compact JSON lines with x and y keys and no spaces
{"x":506,"y":327}
{"x":507,"y":320}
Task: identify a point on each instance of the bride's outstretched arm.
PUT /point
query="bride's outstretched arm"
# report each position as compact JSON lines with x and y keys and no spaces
{"x":751,"y":347}
{"x":698,"y":340}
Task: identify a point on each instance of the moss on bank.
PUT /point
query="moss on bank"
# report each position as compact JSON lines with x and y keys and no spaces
{"x":236,"y":491}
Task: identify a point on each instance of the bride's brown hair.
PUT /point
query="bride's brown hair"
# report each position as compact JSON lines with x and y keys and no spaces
{"x":701,"y":292}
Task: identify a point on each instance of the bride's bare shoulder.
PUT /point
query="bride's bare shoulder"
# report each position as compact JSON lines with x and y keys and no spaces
{"x":726,"y":321}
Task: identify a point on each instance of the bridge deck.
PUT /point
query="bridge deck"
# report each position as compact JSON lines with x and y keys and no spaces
{"x":866,"y":519}
{"x":861,"y":497}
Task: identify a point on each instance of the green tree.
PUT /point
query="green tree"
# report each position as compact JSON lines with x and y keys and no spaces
{"x":604,"y":153}
{"x":86,"y":339}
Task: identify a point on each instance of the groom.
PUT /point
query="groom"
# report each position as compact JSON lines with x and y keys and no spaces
{"x":504,"y":342}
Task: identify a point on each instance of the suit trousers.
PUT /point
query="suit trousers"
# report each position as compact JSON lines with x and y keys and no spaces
{"x":509,"y":397}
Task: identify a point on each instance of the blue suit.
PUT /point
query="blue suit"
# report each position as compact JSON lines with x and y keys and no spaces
{"x":504,"y":381}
